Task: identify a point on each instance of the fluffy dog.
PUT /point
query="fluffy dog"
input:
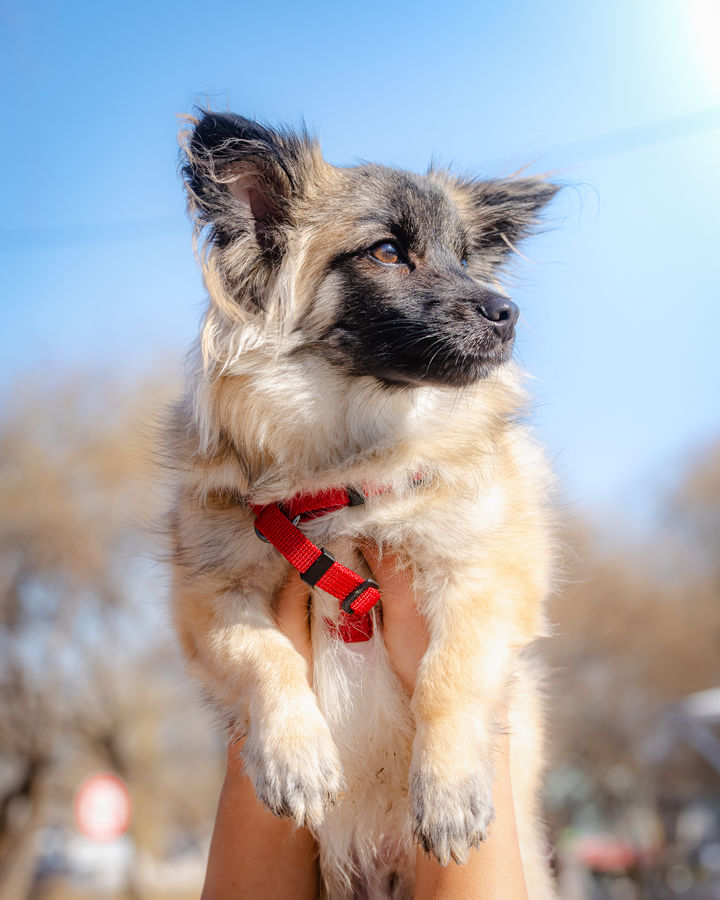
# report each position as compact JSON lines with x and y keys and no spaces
{"x":356,"y":337}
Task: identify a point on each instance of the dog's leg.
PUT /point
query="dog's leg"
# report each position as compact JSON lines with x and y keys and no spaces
{"x":461,"y":687}
{"x":252,"y":671}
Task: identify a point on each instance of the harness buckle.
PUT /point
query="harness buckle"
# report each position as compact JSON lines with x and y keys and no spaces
{"x":346,"y":605}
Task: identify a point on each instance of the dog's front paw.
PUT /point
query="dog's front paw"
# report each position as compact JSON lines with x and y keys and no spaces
{"x":293,"y":764}
{"x":451,"y":816}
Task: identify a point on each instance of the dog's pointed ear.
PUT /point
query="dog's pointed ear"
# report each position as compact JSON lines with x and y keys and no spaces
{"x":242,"y":177}
{"x":502,"y":212}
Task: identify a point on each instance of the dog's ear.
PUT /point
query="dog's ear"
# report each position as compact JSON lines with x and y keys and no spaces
{"x":502,"y":212}
{"x":242,"y":177}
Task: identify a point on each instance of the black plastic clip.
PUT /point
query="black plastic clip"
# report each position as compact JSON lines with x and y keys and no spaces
{"x":355,"y":497}
{"x":317,"y":569}
{"x":346,"y":605}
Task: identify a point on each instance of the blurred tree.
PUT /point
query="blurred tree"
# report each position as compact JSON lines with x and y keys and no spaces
{"x":637,"y":628}
{"x":695,"y":511}
{"x":87,"y":675}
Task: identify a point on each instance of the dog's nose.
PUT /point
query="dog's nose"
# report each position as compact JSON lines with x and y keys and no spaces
{"x":503,"y":313}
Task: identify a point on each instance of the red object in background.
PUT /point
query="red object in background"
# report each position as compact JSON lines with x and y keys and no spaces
{"x":605,"y":853}
{"x":102,"y":807}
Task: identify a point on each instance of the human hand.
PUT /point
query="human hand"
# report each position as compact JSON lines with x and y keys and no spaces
{"x":403,"y":628}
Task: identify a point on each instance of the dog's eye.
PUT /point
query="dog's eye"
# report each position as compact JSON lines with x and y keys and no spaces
{"x":464,"y":263}
{"x":386,"y":252}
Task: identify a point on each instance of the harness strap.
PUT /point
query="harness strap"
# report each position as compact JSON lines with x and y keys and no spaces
{"x":317,"y":567}
{"x":304,"y":507}
{"x":277,"y":524}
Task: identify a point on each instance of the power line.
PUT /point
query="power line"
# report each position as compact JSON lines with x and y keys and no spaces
{"x":90,"y":233}
{"x":639,"y":137}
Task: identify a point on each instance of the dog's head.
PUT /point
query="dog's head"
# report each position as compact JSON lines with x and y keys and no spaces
{"x":380,"y":272}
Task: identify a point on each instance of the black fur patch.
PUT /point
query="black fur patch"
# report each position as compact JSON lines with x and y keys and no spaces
{"x":408,"y":327}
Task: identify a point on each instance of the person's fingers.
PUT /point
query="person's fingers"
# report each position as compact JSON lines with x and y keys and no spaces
{"x":292,"y":614}
{"x":404,"y":629}
{"x":396,"y":586}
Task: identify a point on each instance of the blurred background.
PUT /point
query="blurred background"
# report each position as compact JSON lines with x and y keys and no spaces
{"x":619,"y":101}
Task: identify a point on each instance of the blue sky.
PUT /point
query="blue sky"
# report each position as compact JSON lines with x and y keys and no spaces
{"x":620,"y":100}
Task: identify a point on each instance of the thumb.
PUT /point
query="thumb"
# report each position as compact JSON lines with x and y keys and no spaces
{"x":396,"y":588}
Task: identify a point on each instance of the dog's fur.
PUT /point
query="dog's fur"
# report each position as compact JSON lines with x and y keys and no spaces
{"x":322,"y":365}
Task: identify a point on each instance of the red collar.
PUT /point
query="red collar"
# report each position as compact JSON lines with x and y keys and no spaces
{"x":277,"y":524}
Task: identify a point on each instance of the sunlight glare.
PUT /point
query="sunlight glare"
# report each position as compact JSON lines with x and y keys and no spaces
{"x":705,"y":18}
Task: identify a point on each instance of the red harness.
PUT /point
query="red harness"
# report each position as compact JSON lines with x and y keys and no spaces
{"x":277,"y":524}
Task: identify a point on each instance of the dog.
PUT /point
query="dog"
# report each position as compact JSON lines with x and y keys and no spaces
{"x":357,"y":343}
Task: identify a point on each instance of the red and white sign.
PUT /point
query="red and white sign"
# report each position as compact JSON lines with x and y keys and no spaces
{"x":102,"y":807}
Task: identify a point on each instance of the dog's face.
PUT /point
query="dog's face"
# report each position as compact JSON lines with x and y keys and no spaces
{"x":391,"y":271}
